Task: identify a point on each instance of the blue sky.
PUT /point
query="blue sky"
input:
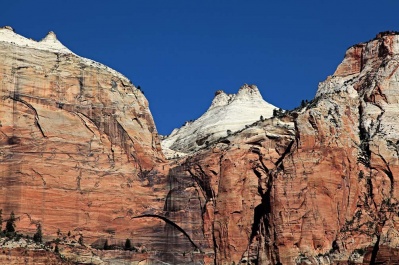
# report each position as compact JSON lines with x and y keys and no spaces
{"x":181,"y":52}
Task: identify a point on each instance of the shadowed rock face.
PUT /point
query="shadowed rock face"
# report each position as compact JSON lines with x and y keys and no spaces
{"x":79,"y":152}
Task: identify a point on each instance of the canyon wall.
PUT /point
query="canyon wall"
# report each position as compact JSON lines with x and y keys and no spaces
{"x":80,"y":155}
{"x":79,"y":151}
{"x":328,"y":194}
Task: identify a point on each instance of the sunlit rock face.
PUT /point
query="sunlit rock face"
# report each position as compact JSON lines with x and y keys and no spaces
{"x":335,"y":192}
{"x":80,"y":155}
{"x":318,"y":185}
{"x":233,"y":178}
{"x":79,"y":150}
{"x":227,"y":114}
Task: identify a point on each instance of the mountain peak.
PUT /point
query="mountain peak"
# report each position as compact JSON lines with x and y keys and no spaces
{"x":7,"y":28}
{"x":248,"y":87}
{"x":221,"y":99}
{"x":249,"y":92}
{"x":246,"y":93}
{"x":50,"y":36}
{"x":227,"y":113}
{"x":49,"y":43}
{"x":52,"y":43}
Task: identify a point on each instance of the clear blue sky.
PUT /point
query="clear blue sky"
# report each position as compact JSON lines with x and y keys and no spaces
{"x":181,"y":52}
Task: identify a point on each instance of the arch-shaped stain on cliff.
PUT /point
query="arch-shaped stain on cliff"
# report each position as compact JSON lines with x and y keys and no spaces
{"x":166,"y":220}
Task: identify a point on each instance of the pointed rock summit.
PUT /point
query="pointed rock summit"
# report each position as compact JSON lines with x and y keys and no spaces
{"x":50,"y":36}
{"x":49,"y":43}
{"x":52,"y":43}
{"x":245,"y":93}
{"x":8,"y":28}
{"x":227,"y":114}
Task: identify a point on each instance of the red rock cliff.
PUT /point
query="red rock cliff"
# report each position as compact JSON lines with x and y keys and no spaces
{"x":79,"y":152}
{"x":325,"y":194}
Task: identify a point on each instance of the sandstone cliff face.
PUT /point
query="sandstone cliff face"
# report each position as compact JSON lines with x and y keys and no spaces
{"x":234,"y":181}
{"x":323,"y":194}
{"x":79,"y":152}
{"x":334,"y":195}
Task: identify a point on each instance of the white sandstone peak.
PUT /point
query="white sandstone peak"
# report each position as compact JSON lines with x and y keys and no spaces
{"x":49,"y":43}
{"x":228,"y":113}
{"x":247,"y":87}
{"x":220,"y":99}
{"x":51,"y":36}
{"x":52,"y":43}
{"x":247,"y":92}
{"x":7,"y":28}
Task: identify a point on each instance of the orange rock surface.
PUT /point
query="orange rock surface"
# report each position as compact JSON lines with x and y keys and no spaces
{"x":18,"y":256}
{"x":80,"y":155}
{"x":79,"y":151}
